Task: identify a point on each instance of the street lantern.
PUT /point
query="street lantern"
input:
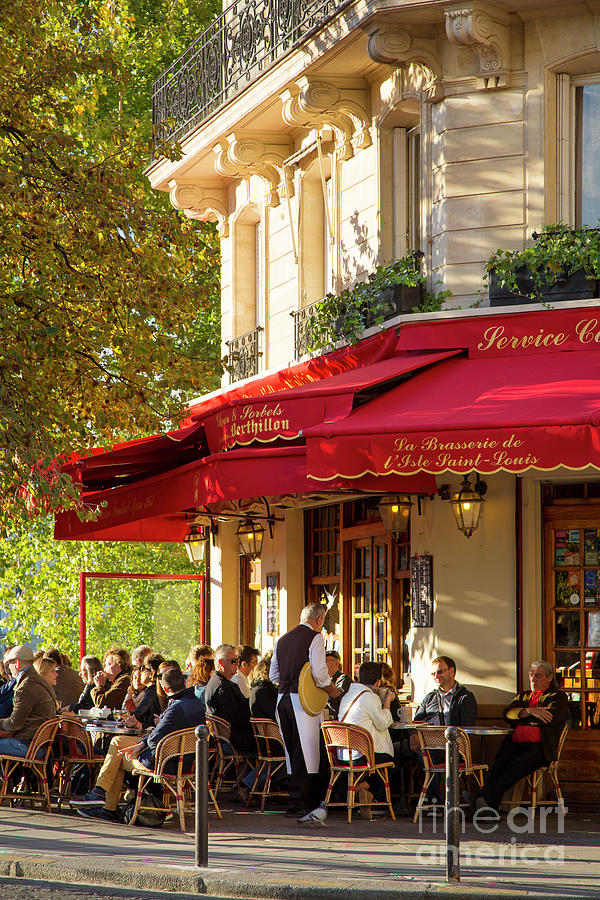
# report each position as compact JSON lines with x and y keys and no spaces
{"x":250,"y":535}
{"x":394,"y":510}
{"x":467,"y":504}
{"x":195,"y":543}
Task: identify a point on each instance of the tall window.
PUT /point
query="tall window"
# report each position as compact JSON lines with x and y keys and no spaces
{"x":407,"y":190}
{"x":587,"y":161}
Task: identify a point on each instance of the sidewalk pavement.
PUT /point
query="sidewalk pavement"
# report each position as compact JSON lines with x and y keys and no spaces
{"x":268,"y":856}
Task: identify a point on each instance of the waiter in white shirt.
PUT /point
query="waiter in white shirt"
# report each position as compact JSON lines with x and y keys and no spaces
{"x":306,"y":765}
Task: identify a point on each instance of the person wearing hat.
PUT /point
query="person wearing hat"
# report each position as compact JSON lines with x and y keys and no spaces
{"x":34,"y":702}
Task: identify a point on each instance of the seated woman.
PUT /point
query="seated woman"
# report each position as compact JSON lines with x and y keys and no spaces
{"x":89,"y":666}
{"x":135,"y":691}
{"x":148,"y":707}
{"x":110,"y":685}
{"x":197,"y":652}
{"x":263,"y":693}
{"x":155,"y":699}
{"x":47,"y":669}
{"x":200,"y":675}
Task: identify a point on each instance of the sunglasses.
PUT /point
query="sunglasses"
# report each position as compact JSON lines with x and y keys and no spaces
{"x":234,"y":659}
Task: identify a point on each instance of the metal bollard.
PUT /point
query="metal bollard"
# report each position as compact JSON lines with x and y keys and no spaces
{"x":452,"y":807}
{"x":201,"y":811}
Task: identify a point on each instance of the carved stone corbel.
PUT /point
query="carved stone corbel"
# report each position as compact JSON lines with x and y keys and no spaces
{"x":241,"y":155}
{"x":313,"y":103}
{"x":397,"y":47}
{"x":487,"y":34}
{"x":201,"y":202}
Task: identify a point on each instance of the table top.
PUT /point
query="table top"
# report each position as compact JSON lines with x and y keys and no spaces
{"x":483,"y":730}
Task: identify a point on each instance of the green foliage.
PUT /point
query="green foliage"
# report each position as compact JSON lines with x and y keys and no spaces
{"x":346,"y":315}
{"x":558,"y":251}
{"x":109,"y":299}
{"x":39,"y":593}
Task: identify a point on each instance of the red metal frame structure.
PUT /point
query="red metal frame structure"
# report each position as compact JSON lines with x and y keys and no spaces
{"x":127,"y":576}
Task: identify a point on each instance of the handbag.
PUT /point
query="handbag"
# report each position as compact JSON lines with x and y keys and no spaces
{"x":152,"y":817}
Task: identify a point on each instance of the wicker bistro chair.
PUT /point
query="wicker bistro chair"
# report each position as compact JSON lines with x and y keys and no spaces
{"x":35,"y":762}
{"x":226,"y":756}
{"x":551,"y":771}
{"x":340,"y":736}
{"x":179,"y":746}
{"x":77,"y":749}
{"x":434,"y":739}
{"x":271,"y":757}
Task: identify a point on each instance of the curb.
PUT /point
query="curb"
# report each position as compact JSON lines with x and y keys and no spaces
{"x":234,"y":883}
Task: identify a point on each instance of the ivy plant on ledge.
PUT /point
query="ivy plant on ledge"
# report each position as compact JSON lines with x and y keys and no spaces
{"x":563,"y":265}
{"x":387,"y":292}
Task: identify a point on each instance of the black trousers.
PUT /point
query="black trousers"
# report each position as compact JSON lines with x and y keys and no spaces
{"x":513,"y":762}
{"x":306,"y":791}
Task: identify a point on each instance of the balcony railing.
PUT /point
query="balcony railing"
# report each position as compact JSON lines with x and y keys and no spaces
{"x":235,"y":49}
{"x":302,"y":328}
{"x":243,"y":356}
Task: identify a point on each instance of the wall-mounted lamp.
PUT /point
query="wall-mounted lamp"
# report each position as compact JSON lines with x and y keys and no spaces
{"x":467,"y":504}
{"x":394,"y":510}
{"x":195,"y":543}
{"x":250,"y":535}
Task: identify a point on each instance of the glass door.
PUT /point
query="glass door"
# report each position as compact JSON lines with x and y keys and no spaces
{"x":371,"y":600}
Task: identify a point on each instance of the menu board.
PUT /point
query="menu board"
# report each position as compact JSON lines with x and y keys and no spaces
{"x":421,"y":591}
{"x":273,"y":603}
{"x":567,"y":543}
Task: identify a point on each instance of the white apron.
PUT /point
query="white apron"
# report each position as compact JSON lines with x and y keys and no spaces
{"x":309,"y":729}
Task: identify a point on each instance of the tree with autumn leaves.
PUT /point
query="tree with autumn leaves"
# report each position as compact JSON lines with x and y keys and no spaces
{"x":109,"y":299}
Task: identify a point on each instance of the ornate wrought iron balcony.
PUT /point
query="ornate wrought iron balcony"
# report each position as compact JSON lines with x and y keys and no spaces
{"x":235,"y":49}
{"x":244,"y":353}
{"x":302,"y":328}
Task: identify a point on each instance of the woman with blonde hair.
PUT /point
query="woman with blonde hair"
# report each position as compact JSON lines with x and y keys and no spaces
{"x":48,"y":671}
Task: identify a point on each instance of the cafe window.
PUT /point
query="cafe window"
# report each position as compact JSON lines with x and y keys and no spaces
{"x":572,"y":596}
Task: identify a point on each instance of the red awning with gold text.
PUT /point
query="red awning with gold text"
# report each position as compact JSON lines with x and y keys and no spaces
{"x":286,"y":414}
{"x":511,"y":413}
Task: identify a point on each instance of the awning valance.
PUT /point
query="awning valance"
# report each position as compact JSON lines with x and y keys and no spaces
{"x":493,"y":414}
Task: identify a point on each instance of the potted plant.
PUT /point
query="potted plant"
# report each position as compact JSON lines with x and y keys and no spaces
{"x":388,"y":291}
{"x":564,"y":264}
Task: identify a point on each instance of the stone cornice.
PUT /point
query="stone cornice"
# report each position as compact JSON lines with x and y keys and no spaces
{"x":242,"y":154}
{"x":392,"y":45}
{"x":199,"y":201}
{"x":314,"y":103}
{"x":485,"y":32}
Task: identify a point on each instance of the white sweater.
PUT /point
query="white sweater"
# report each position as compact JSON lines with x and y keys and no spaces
{"x":368,"y":712}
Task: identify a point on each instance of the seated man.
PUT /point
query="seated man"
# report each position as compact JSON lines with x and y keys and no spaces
{"x":34,"y":702}
{"x":537,"y":717}
{"x":223,"y":698}
{"x":248,"y":657}
{"x":339,"y":678}
{"x":184,"y":710}
{"x":112,"y":683}
{"x":449,"y":704}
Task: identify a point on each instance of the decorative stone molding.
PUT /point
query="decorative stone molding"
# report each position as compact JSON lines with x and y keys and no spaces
{"x":487,"y":34}
{"x":394,"y":46}
{"x":313,"y":103}
{"x":199,"y":201}
{"x":241,"y":155}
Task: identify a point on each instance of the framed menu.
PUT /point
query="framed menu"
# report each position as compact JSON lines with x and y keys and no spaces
{"x":273,"y":603}
{"x":421,"y":591}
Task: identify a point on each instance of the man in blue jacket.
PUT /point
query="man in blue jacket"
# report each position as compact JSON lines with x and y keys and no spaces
{"x":184,"y":710}
{"x":8,"y":688}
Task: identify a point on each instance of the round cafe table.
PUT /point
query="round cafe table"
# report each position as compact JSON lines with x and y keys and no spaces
{"x":482,"y":731}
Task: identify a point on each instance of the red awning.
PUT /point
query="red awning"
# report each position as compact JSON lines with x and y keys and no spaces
{"x":155,"y":508}
{"x":133,"y":461}
{"x":487,"y":415}
{"x":286,"y":414}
